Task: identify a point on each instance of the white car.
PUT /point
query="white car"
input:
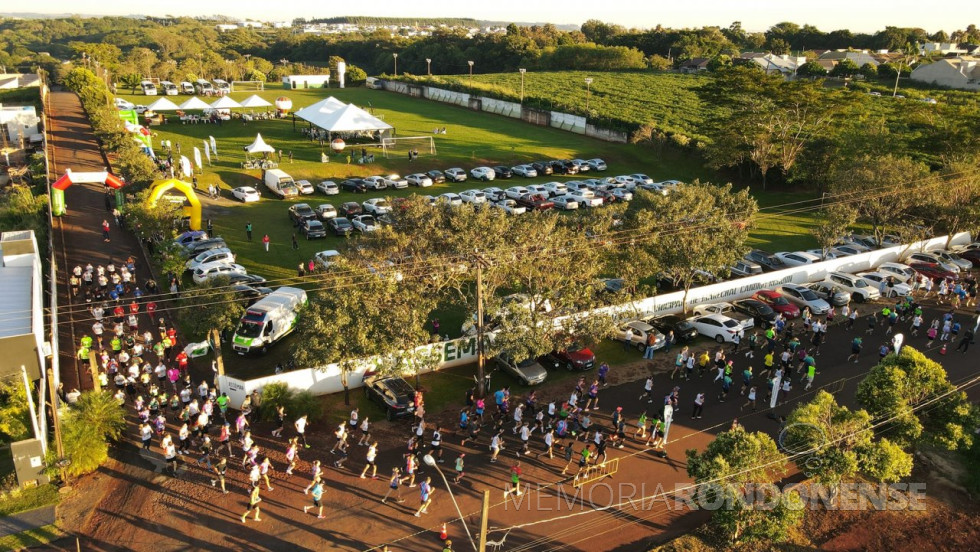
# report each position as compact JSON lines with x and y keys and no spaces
{"x":641,"y":178}
{"x":485,"y":174}
{"x":475,"y":197}
{"x":517,"y":192}
{"x":582,"y":164}
{"x":326,"y":211}
{"x":538,"y":189}
{"x":655,"y":188}
{"x":555,"y":188}
{"x":862,"y":291}
{"x":395,"y":181}
{"x":564,"y":203}
{"x":459,"y":175}
{"x":797,"y":258}
{"x":419,"y":179}
{"x":326,"y":259}
{"x":848,"y":249}
{"x":640,"y":331}
{"x":364,"y":223}
{"x":897,"y":289}
{"x":596,"y":164}
{"x":305,"y":187}
{"x":219,"y":255}
{"x":628,"y":181}
{"x":205,"y":272}
{"x":510,"y":207}
{"x":494,"y":194}
{"x":830,"y":254}
{"x":376,"y":206}
{"x":328,"y":187}
{"x":576,"y":185}
{"x":124,"y":104}
{"x":728,"y":310}
{"x":376,"y":182}
{"x":933,"y":258}
{"x":431,"y":200}
{"x":140,"y":109}
{"x":622,"y":194}
{"x":952,"y":258}
{"x":901,"y":272}
{"x":717,"y":326}
{"x":585,"y":198}
{"x":452,"y":199}
{"x":527,"y":171}
{"x":246,"y":194}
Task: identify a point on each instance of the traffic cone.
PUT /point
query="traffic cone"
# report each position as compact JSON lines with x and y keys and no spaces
{"x":943,"y":350}
{"x":442,"y":534}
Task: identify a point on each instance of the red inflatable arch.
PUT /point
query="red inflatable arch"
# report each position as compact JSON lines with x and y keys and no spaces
{"x":104,"y":177}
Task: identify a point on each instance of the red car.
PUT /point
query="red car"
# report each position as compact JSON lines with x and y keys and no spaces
{"x":778,"y":303}
{"x":536,"y":202}
{"x":575,"y":357}
{"x":932,"y":270}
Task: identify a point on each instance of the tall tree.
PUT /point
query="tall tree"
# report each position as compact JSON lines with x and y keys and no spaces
{"x":837,"y":219}
{"x":209,"y":309}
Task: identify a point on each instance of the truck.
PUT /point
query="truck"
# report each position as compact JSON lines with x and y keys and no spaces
{"x":268,"y":320}
{"x":280,"y":183}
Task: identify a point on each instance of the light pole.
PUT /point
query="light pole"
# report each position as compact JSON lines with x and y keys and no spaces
{"x":396,"y":63}
{"x":471,"y":70}
{"x":522,"y":70}
{"x":588,"y":92}
{"x":428,"y":66}
{"x":431,"y":462}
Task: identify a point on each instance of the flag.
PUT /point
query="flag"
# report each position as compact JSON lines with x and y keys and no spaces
{"x":197,"y":158}
{"x":214,"y":146}
{"x":207,"y":152}
{"x":185,"y":166}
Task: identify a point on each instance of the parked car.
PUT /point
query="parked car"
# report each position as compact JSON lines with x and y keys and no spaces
{"x":621,"y":194}
{"x":393,"y":394}
{"x":247,"y":279}
{"x":538,"y":189}
{"x":542,"y":167}
{"x":355,"y":185}
{"x":778,"y":303}
{"x":449,"y":198}
{"x":220,"y":255}
{"x":952,"y":258}
{"x":494,"y":194}
{"x":902,"y":272}
{"x":205,"y":272}
{"x":745,"y":267}
{"x":640,"y":332}
{"x":893,"y":288}
{"x":683,"y":330}
{"x":585,"y":198}
{"x":529,"y":371}
{"x":420,"y":180}
{"x":191,"y":250}
{"x":350,"y":209}
{"x":641,"y":178}
{"x":575,"y":357}
{"x":765,"y":259}
{"x":824,"y":255}
{"x":719,"y":327}
{"x":395,"y":181}
{"x":476,"y":197}
{"x":246,"y":194}
{"x":597,"y":164}
{"x":190,"y":237}
{"x":326,"y":259}
{"x":328,"y":187}
{"x":972,"y":255}
{"x":515,"y":192}
{"x":934,"y":271}
{"x":456,"y":175}
{"x":376,"y":206}
{"x":797,"y":258}
{"x":364,"y":223}
{"x":861,"y":290}
{"x":746,"y":320}
{"x":830,"y":293}
{"x":485,"y":174}
{"x":375,"y":183}
{"x":847,"y":249}
{"x":326,"y":211}
{"x":581,"y":164}
{"x":527,"y":171}
{"x":340,"y":226}
{"x":762,"y":314}
{"x":249,"y":294}
{"x":300,"y":212}
{"x":305,"y":187}
{"x":501,"y":171}
{"x":555,"y":188}
{"x":804,"y":297}
{"x":559,"y":166}
{"x":436,"y":176}
{"x":564,"y":203}
{"x":509,"y":206}
{"x":313,"y":229}
{"x":536,"y":202}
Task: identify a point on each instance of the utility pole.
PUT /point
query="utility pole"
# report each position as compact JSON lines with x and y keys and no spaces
{"x":483,"y":521}
{"x":481,"y":263}
{"x":55,"y":419}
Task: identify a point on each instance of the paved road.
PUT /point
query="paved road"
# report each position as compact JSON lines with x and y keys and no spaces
{"x":25,"y":521}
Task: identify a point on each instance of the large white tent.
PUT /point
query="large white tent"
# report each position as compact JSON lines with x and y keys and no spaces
{"x":320,"y":109}
{"x":225,"y":102}
{"x":259,"y":146}
{"x":349,"y":118}
{"x":255,"y":101}
{"x":163,"y":104}
{"x":195,"y":103}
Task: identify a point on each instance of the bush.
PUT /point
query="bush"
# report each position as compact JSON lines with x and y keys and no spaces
{"x":307,"y":403}
{"x":297,"y":404}
{"x":87,"y":429}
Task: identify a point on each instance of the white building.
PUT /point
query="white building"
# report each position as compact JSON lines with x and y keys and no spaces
{"x":943,"y":48}
{"x":292,"y":82}
{"x":783,"y":64}
{"x":21,"y":305}
{"x":11,"y":81}
{"x":962,"y":72}
{"x":18,"y":123}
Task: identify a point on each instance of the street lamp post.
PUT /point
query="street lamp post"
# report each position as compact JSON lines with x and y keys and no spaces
{"x":588,"y":93}
{"x":522,"y":70}
{"x":431,"y":462}
{"x":396,"y":63}
{"x":428,"y":66}
{"x":471,"y":70}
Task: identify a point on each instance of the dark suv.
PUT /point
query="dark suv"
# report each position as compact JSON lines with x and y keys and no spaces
{"x":392,"y":393}
{"x":300,"y":212}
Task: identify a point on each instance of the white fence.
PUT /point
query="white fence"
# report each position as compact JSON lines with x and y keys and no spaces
{"x":463,"y":350}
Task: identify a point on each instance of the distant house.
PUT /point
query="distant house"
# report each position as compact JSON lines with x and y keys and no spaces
{"x":962,"y":72}
{"x":19,"y":122}
{"x":694,"y":65}
{"x":292,"y":82}
{"x":785,"y":65}
{"x":10,"y":81}
{"x":223,"y":28}
{"x":943,"y":48}
{"x":858,"y":57}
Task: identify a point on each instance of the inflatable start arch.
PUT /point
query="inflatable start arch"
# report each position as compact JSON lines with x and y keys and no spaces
{"x":58,"y":207}
{"x":164,"y":186}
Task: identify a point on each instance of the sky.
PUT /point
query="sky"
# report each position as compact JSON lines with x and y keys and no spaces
{"x":755,"y":15}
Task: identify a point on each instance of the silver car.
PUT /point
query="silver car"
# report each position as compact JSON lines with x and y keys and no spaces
{"x":529,"y":372}
{"x":805,"y":297}
{"x":830,"y":293}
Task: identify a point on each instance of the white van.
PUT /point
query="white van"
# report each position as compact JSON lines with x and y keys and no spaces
{"x":373,"y":83}
{"x":169,"y":88}
{"x":186,"y":88}
{"x":268,"y":320}
{"x":280,"y":183}
{"x":221,"y":87}
{"x":149,"y":89}
{"x":203,"y":87}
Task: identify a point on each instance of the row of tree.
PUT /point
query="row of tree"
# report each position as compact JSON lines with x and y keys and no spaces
{"x":907,"y":402}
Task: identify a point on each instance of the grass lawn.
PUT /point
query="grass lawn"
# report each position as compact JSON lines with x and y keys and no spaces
{"x":30,"y":539}
{"x":29,"y":499}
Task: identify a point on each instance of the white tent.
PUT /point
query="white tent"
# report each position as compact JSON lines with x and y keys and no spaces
{"x":163,"y":104}
{"x":255,"y":101}
{"x":225,"y":102}
{"x":350,"y":118}
{"x":259,"y":146}
{"x":320,"y":110}
{"x":194,"y":103}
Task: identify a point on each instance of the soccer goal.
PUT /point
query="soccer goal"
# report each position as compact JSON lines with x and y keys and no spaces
{"x":399,"y":145}
{"x":243,"y":86}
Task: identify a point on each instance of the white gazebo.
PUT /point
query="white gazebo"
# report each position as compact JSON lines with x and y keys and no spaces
{"x":320,"y":109}
{"x":350,"y":119}
{"x":259,"y":146}
{"x":255,"y":101}
{"x":225,"y":102}
{"x":195,"y":103}
{"x":163,"y":104}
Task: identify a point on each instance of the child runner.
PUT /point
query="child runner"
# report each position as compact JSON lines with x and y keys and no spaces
{"x":459,"y":467}
{"x":515,"y":480}
{"x":316,"y":489}
{"x":253,"y":504}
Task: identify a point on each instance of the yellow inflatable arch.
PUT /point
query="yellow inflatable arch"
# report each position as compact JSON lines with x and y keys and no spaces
{"x":163,"y":187}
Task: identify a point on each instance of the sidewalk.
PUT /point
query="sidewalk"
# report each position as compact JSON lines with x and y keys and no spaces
{"x":25,"y":521}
